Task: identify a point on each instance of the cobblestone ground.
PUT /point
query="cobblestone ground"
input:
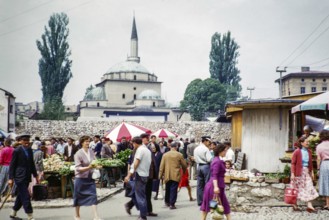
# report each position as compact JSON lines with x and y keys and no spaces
{"x":280,"y":213}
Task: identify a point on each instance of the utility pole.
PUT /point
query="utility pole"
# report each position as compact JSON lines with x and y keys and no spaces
{"x":280,"y":86}
{"x":250,"y":90}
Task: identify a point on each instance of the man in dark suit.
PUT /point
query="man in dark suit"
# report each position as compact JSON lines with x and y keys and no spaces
{"x":69,"y":150}
{"x":21,"y":168}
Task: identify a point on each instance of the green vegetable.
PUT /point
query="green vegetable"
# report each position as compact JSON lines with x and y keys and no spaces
{"x":123,"y":155}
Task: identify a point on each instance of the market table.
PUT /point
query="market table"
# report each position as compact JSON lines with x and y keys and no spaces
{"x":64,"y":182}
{"x":107,"y":174}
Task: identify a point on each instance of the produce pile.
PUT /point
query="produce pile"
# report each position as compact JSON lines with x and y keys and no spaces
{"x":123,"y":155}
{"x":105,"y":162}
{"x":55,"y":163}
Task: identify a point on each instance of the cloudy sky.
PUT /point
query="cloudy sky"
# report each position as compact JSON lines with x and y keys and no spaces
{"x":174,"y":40}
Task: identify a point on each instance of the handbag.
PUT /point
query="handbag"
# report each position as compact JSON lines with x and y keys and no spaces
{"x":217,"y":209}
{"x":130,"y":188}
{"x":96,"y":174}
{"x":290,"y":195}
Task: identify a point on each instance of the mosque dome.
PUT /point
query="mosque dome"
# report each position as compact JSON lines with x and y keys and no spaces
{"x":128,"y":67}
{"x":149,"y":94}
{"x":97,"y":93}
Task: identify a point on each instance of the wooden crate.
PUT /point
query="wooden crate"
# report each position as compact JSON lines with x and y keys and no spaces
{"x":240,"y":179}
{"x":227,"y":179}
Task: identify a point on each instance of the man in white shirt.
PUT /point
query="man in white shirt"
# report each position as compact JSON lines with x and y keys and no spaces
{"x":141,"y":168}
{"x":203,"y":158}
{"x":230,"y":155}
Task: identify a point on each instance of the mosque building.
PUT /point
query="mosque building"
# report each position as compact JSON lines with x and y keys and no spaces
{"x":128,"y":91}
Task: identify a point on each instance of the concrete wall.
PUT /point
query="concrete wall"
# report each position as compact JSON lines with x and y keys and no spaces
{"x":263,"y":141}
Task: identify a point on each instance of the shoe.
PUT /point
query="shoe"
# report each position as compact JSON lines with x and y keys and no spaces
{"x":191,"y":199}
{"x":310,"y":210}
{"x":152,"y":214}
{"x":15,"y":217}
{"x":167,"y":204}
{"x":127,"y":209}
{"x":296,"y":209}
{"x":155,"y":198}
{"x":140,"y":218}
{"x":326,"y":208}
{"x":172,"y":207}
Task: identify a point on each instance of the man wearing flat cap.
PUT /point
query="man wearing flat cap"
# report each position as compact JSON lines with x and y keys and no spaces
{"x":21,"y":168}
{"x":203,"y":158}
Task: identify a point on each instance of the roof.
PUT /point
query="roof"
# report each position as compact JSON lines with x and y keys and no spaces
{"x":128,"y":67}
{"x":97,"y":93}
{"x":8,"y":93}
{"x":134,"y":31}
{"x":260,"y":103}
{"x":305,"y":74}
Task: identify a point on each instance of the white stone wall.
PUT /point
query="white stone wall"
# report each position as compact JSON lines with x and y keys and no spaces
{"x":46,"y":129}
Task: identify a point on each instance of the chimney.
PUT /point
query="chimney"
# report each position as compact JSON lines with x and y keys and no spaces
{"x":305,"y":68}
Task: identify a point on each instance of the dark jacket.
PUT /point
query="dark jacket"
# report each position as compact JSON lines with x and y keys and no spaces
{"x":22,"y":167}
{"x":66,"y":152}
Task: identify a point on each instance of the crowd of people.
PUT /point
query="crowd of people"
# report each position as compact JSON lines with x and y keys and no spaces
{"x":153,"y":165}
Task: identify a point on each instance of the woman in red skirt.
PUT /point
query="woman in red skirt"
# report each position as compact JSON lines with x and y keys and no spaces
{"x":184,"y":181}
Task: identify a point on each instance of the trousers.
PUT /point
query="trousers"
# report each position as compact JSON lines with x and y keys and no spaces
{"x":23,"y":198}
{"x":171,"y":192}
{"x":203,"y":177}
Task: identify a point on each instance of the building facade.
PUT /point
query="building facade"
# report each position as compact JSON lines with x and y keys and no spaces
{"x":128,"y":91}
{"x":304,"y":82}
{"x":7,"y":111}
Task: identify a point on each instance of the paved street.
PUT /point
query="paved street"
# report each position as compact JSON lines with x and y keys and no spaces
{"x":113,"y":208}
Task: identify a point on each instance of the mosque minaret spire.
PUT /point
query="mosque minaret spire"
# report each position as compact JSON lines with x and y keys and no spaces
{"x":134,"y":44}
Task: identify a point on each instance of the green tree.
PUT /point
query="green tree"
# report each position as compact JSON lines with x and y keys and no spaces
{"x":202,"y":96}
{"x":88,"y":96}
{"x":54,"y":65}
{"x":223,"y":63}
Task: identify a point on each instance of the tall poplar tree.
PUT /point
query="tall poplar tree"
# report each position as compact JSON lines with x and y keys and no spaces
{"x":223,"y":63}
{"x":54,"y":65}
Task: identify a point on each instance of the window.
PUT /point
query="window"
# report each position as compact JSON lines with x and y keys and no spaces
{"x":134,"y":96}
{"x":324,"y":88}
{"x":324,"y":80}
{"x":302,"y":90}
{"x":153,"y":104}
{"x":97,"y":104}
{"x":313,"y":89}
{"x":11,"y":109}
{"x":302,"y":80}
{"x":123,"y":96}
{"x":313,"y":80}
{"x":134,"y":88}
{"x":86,"y":104}
{"x":135,"y":77}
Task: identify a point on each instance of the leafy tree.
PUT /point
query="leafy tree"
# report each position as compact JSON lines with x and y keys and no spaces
{"x":87,"y":93}
{"x":54,"y":65}
{"x":223,"y":60}
{"x":202,"y":96}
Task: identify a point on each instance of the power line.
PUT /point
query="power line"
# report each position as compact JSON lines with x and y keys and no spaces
{"x":24,"y":12}
{"x":309,"y":45}
{"x":313,"y":31}
{"x":38,"y":21}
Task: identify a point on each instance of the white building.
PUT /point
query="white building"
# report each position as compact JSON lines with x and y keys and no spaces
{"x":7,"y":111}
{"x":128,"y":91}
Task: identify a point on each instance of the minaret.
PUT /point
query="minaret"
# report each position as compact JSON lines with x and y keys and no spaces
{"x":134,"y":44}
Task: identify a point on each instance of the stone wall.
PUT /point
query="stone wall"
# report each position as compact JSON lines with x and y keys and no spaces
{"x":46,"y":129}
{"x":246,"y":196}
